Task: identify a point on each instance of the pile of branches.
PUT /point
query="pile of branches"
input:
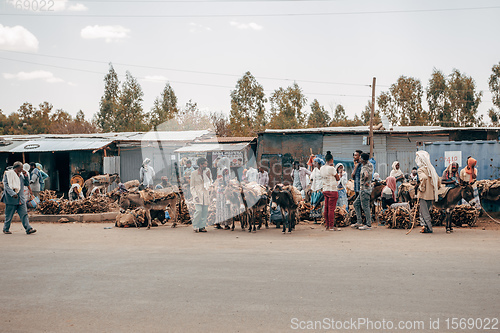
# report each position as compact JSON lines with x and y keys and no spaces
{"x":438,"y":216}
{"x":341,"y":217}
{"x":385,"y":216}
{"x":401,"y":219}
{"x":304,"y":210}
{"x":489,"y":189}
{"x":49,"y":207}
{"x":93,"y":204}
{"x":47,"y":195}
{"x":184,"y":216}
{"x":464,"y":214}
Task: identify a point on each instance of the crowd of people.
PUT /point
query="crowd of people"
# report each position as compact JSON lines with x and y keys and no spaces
{"x":325,"y":181}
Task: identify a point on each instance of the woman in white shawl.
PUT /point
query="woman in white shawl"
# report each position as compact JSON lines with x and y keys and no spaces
{"x":343,"y":201}
{"x":222,"y":212}
{"x":147,"y":174}
{"x":427,"y":188}
{"x":398,"y":174}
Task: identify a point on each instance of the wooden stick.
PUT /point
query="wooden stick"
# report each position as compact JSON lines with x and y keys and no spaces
{"x":414,"y":216}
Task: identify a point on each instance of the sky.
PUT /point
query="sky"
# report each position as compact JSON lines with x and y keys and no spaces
{"x":59,"y":51}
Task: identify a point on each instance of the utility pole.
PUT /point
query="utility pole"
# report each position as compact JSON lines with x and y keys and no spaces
{"x":371,"y":117}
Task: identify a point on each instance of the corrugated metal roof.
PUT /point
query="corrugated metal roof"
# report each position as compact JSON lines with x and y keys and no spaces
{"x":366,"y":129}
{"x":211,"y":147}
{"x":12,"y":144}
{"x":229,"y":139}
{"x":48,"y":145}
{"x":169,"y":135}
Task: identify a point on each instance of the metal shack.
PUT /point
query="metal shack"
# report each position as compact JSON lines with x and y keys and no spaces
{"x":277,"y":149}
{"x":239,"y":150}
{"x":158,"y":146}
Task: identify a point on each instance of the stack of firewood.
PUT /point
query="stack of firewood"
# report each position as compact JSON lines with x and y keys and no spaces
{"x":93,"y":204}
{"x":464,"y":214}
{"x":385,"y":216}
{"x":47,"y":195}
{"x":341,"y":217}
{"x":49,"y":207}
{"x":304,"y":210}
{"x":438,"y":216}
{"x":133,"y":218}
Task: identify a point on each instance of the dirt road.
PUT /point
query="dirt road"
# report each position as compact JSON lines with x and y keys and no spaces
{"x":85,"y":278}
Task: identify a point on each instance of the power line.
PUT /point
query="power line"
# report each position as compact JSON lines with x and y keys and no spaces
{"x":44,"y":14}
{"x":186,"y":70}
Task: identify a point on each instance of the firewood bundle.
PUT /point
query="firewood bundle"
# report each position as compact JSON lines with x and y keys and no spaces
{"x":48,"y":207}
{"x":489,"y":189}
{"x":184,"y":216}
{"x":385,"y":216}
{"x":297,"y":197}
{"x":401,"y":219}
{"x":150,"y":196}
{"x":464,"y":214}
{"x":47,"y":195}
{"x":304,"y":210}
{"x":93,"y":204}
{"x":341,"y":217}
{"x":438,"y":216}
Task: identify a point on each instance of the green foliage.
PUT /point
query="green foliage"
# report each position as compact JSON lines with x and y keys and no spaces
{"x":403,"y":103}
{"x":248,"y":114}
{"x":318,"y":116}
{"x":106,"y":119}
{"x":366,"y":114}
{"x":164,"y":108}
{"x":286,"y":108}
{"x":439,"y":107}
{"x":189,"y":118}
{"x":494,"y":84}
{"x":339,"y":113}
{"x":130,"y":116}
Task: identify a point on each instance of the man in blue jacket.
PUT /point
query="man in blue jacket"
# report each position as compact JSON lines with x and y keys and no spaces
{"x":14,"y":181}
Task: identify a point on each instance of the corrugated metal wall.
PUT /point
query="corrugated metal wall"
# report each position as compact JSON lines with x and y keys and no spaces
{"x":130,"y":163}
{"x":487,"y":154}
{"x":161,"y":160}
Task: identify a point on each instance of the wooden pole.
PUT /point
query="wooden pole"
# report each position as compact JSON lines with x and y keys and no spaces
{"x":371,"y":117}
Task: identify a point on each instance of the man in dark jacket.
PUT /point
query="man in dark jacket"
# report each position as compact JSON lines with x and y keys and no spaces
{"x":14,"y":182}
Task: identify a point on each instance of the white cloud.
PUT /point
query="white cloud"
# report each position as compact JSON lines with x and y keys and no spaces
{"x":35,"y":75}
{"x":108,"y":32}
{"x":155,"y":78}
{"x":244,"y":26}
{"x":17,"y":38}
{"x":47,"y":6}
{"x":77,"y":8}
{"x":195,"y":27}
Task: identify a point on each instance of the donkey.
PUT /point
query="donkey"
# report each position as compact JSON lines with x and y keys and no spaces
{"x":88,"y":185}
{"x":453,"y":198}
{"x":284,"y":199}
{"x":135,"y":199}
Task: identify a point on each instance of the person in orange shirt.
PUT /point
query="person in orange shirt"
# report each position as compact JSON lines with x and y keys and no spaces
{"x":469,"y":174}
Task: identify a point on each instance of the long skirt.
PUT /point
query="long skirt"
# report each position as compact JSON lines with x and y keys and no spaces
{"x":222,"y":212}
{"x":343,"y":201}
{"x":316,"y":199}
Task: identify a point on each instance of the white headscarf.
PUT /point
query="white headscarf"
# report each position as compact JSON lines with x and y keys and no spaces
{"x":396,"y":172}
{"x":423,"y":161}
{"x":146,"y":162}
{"x":224,"y":163}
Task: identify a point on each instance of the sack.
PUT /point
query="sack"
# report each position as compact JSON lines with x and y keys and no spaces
{"x":33,"y":202}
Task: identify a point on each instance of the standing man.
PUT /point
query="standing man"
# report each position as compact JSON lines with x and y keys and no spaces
{"x":252,"y":175}
{"x":356,"y":173}
{"x":147,"y":174}
{"x":299,"y":176}
{"x":35,"y":179}
{"x":365,"y":191}
{"x":427,"y":189}
{"x":201,"y":180}
{"x":14,"y":181}
{"x":263,"y":178}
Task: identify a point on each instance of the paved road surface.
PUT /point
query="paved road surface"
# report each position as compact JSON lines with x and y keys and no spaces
{"x":84,"y":278}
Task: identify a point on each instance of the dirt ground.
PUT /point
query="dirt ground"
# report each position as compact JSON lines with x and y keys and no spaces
{"x":92,"y":277}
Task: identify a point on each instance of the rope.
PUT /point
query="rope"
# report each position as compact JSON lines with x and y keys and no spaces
{"x":489,"y":215}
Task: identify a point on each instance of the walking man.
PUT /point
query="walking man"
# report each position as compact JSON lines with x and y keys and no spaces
{"x":365,"y":191}
{"x":14,"y":181}
{"x":427,"y":189}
